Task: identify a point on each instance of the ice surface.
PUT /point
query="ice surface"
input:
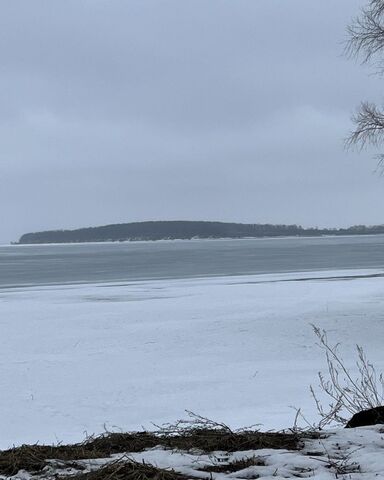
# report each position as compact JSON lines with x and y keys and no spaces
{"x":78,"y":359}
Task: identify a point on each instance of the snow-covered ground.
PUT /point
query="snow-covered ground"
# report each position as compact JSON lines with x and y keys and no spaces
{"x":355,"y":454}
{"x":78,"y":359}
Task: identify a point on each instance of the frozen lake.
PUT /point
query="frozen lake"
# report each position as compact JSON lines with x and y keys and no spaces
{"x":82,"y":357}
{"x":109,"y":262}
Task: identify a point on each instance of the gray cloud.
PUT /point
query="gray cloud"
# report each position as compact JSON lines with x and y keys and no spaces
{"x":115,"y":111}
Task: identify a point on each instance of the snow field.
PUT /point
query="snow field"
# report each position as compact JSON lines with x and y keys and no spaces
{"x":78,"y":359}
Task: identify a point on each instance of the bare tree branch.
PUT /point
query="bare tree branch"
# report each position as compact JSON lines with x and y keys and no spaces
{"x":377,"y":7}
{"x":366,"y":40}
{"x":366,"y":33}
{"x":369,"y":126}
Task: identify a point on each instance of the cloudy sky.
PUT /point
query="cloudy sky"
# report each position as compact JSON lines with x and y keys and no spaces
{"x":127,"y":110}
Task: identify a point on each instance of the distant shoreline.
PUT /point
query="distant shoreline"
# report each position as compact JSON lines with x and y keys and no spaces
{"x":167,"y":240}
{"x":186,"y":230}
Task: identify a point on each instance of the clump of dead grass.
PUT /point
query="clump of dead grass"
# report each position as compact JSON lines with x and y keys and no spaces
{"x":128,"y":470}
{"x":200,"y":433}
{"x":235,"y":465}
{"x":33,"y":458}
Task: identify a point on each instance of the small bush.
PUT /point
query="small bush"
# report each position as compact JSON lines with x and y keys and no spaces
{"x":347,"y":395}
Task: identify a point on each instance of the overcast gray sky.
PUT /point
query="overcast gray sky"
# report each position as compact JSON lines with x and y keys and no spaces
{"x":234,"y":110}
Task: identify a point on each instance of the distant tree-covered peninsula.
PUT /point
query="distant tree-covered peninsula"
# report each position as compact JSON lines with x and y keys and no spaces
{"x":172,"y":230}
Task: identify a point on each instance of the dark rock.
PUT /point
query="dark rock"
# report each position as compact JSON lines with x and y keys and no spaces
{"x":372,"y":416}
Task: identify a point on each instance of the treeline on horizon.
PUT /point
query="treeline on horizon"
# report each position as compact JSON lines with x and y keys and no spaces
{"x":184,"y":230}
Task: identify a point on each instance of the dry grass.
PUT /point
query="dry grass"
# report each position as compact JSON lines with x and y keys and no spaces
{"x":235,"y":466}
{"x":209,"y":440}
{"x":128,"y":470}
{"x":34,"y":458}
{"x":195,"y":433}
